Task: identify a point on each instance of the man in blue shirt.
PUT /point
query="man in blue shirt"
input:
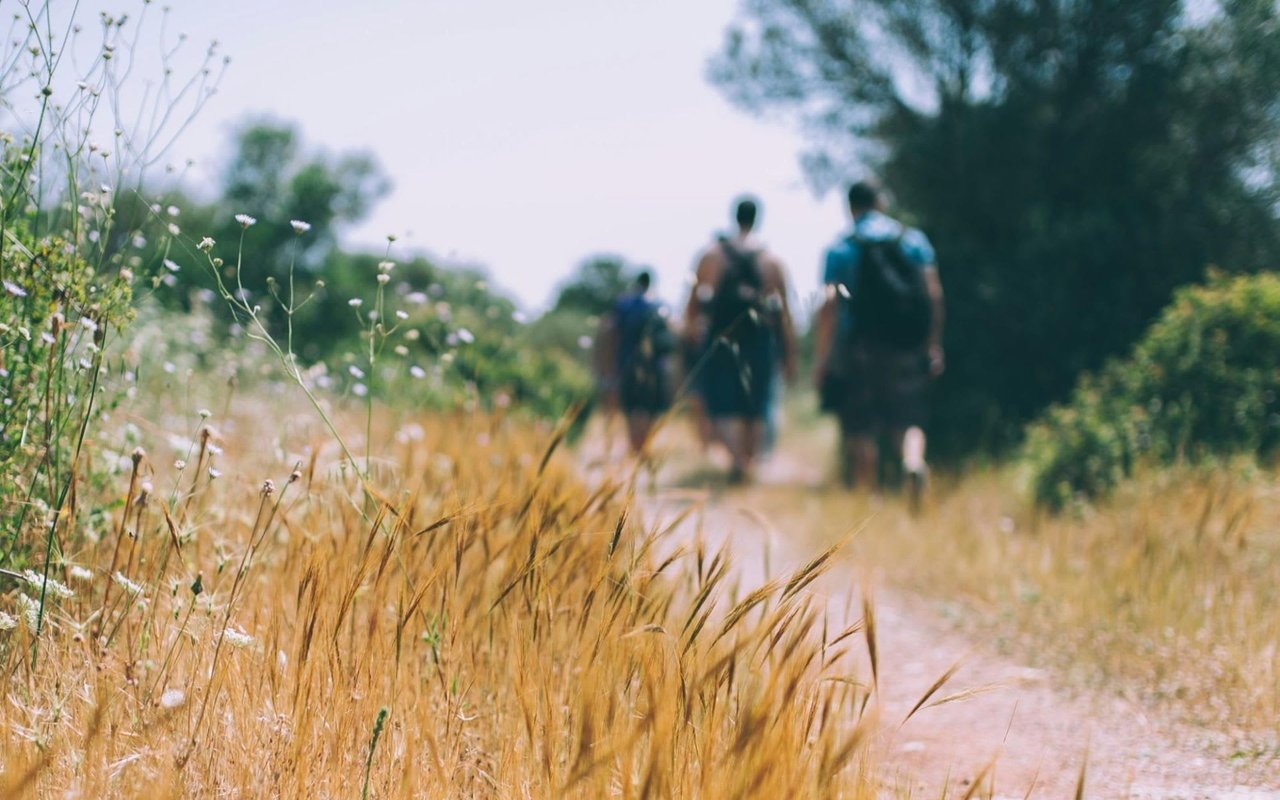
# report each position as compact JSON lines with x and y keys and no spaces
{"x":636,"y":347}
{"x":877,"y":384}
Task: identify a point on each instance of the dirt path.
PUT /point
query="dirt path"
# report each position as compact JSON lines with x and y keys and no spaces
{"x":1020,"y":724}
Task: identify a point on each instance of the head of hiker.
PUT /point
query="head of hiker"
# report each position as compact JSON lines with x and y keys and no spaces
{"x":863,"y":197}
{"x":745,"y":212}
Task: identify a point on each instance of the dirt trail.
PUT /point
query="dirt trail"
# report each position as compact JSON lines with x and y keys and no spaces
{"x":1036,"y":733}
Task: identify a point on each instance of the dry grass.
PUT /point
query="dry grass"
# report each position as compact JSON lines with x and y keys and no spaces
{"x":472,"y":623}
{"x":1167,"y":593}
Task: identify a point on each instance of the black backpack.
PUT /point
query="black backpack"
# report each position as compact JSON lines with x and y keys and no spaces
{"x":890,"y":300}
{"x":738,"y":306}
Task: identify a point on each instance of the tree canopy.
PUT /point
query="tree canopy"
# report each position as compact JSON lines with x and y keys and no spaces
{"x":1073,"y":160}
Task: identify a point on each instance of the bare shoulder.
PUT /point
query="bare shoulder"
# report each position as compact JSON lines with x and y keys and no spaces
{"x":772,"y":269}
{"x":710,"y":263}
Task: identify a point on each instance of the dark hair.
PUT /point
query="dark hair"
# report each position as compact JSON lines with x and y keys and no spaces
{"x":863,"y":195}
{"x":643,"y":280}
{"x":745,"y":212}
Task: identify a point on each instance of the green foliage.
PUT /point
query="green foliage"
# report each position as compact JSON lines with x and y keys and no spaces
{"x":1202,"y":383}
{"x":56,"y":312}
{"x":1073,"y":161}
{"x":594,"y":286}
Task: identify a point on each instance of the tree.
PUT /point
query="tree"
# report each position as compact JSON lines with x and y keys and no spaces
{"x":272,"y":179}
{"x":1073,"y":160}
{"x":595,"y":285}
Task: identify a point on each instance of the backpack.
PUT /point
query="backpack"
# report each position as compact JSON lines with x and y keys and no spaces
{"x":645,"y":344}
{"x":738,"y":306}
{"x":890,"y":300}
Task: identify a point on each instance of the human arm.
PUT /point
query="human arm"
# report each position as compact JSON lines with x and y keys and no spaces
{"x":937,"y":318}
{"x":605,"y":355}
{"x":824,"y":333}
{"x":777,"y":275}
{"x":703,"y":270}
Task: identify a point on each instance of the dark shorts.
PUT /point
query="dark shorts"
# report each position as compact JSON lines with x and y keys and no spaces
{"x":646,"y":391}
{"x":877,"y":390}
{"x":737,"y":378}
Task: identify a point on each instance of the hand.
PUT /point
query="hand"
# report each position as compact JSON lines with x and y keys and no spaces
{"x":937,"y":361}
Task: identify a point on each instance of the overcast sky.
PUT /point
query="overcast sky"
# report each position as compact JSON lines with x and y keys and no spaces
{"x":522,"y":136}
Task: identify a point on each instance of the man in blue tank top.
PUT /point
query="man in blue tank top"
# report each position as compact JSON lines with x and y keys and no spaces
{"x":873,"y":371}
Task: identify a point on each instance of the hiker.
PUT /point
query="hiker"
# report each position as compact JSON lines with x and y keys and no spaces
{"x":738,"y":312}
{"x":878,"y":340}
{"x":637,"y":346}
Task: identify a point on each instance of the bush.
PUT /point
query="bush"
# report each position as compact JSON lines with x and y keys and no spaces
{"x":56,"y":312}
{"x":1202,"y":383}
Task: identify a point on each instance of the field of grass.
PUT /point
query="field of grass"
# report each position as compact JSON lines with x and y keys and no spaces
{"x":472,"y":620}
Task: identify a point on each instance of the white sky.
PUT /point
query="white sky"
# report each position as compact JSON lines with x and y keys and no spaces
{"x":522,"y":136}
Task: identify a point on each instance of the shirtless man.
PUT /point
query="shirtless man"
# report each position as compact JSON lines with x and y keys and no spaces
{"x":739,"y":314}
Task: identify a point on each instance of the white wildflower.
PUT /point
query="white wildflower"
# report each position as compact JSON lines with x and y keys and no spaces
{"x":417,"y":372}
{"x":139,"y":241}
{"x":126,"y":584}
{"x":360,"y":390}
{"x":174,"y":230}
{"x":173,"y":211}
{"x":384,"y":278}
{"x":401,"y":350}
{"x":355,"y":371}
{"x":300,"y":227}
{"x":245,"y":220}
{"x":466,"y":336}
{"x":30,"y":611}
{"x":386,"y":266}
{"x":7,"y":622}
{"x":88,"y":324}
{"x":171,"y":266}
{"x":355,"y":302}
{"x":402,"y":314}
{"x":51,"y":586}
{"x":584,"y":342}
{"x":206,"y":244}
{"x":172,"y":698}
{"x":238,"y":638}
{"x":214,"y":473}
{"x":79,"y":573}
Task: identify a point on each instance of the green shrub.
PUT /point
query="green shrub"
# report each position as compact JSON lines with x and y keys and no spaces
{"x":56,"y":312}
{"x":1203,"y":382}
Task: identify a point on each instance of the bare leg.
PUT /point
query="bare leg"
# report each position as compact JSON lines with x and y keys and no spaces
{"x":912,"y":445}
{"x":755,"y":432}
{"x":638,"y":426}
{"x":734,"y":432}
{"x":864,"y":456}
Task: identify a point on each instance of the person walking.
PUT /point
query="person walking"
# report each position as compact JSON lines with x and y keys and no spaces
{"x":637,"y":347}
{"x":878,"y":340}
{"x":738,"y":312}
